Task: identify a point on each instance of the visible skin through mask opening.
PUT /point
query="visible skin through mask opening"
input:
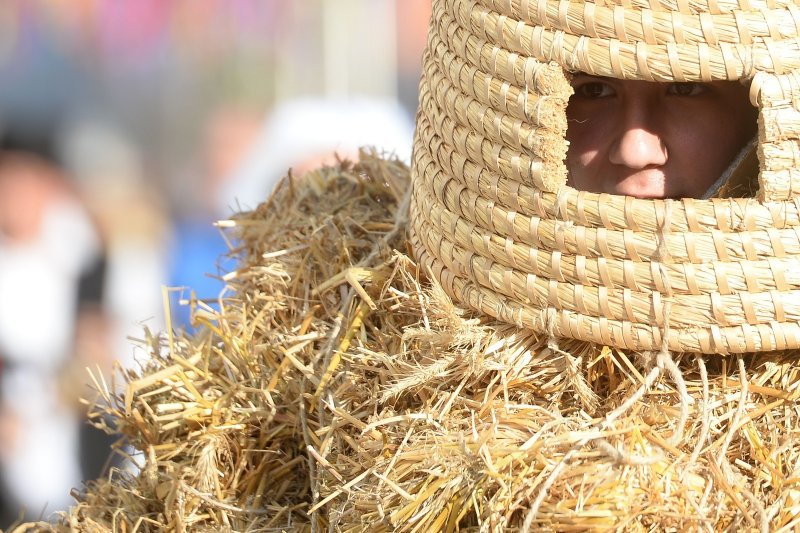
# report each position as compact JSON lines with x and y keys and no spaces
{"x":655,"y":140}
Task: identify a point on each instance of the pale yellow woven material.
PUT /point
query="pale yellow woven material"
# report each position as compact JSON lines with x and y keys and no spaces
{"x":495,"y":222}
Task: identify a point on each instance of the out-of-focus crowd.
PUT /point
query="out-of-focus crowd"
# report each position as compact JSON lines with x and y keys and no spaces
{"x":127,"y":127}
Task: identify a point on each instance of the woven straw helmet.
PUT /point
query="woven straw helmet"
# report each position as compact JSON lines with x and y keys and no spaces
{"x":498,"y":226}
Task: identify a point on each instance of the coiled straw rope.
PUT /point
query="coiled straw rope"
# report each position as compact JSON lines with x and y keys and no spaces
{"x":494,"y":220}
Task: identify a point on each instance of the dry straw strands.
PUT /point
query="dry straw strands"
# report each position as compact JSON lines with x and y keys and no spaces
{"x":492,"y":216}
{"x":339,"y":390}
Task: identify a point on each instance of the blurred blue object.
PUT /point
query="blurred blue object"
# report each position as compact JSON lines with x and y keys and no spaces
{"x":198,"y":260}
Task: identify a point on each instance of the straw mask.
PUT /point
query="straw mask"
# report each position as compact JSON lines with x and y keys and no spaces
{"x":497,"y":225}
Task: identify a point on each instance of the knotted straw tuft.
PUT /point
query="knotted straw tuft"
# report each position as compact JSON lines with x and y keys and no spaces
{"x":496,"y":224}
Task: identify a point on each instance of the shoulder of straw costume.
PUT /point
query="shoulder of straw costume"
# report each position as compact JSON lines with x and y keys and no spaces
{"x":340,"y":387}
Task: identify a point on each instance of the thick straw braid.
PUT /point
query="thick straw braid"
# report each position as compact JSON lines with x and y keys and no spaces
{"x":654,"y":27}
{"x":507,"y":160}
{"x":779,"y":130}
{"x":519,"y":103}
{"x":460,"y":83}
{"x":677,"y":61}
{"x":623,"y":334}
{"x":782,"y":119}
{"x":615,"y":243}
{"x":696,"y":313}
{"x":720,"y":303}
{"x":525,"y":72}
{"x":521,"y":80}
{"x":758,"y":276}
{"x":495,"y":126}
{"x":762,"y":222}
{"x":673,"y":61}
{"x":596,"y":299}
{"x":495,"y":223}
{"x":467,"y":250}
{"x":680,"y":6}
{"x":541,"y":114}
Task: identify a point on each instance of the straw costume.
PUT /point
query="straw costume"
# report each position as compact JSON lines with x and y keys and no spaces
{"x":483,"y":347}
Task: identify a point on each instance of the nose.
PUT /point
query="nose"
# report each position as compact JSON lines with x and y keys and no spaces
{"x":638,"y":146}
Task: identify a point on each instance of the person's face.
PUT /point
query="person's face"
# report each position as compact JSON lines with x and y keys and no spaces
{"x":654,"y":140}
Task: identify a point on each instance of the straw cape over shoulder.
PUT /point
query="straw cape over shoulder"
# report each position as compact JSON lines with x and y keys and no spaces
{"x":340,"y":387}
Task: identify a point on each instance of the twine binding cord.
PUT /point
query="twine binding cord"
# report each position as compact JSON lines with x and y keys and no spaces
{"x":663,"y":362}
{"x":664,"y":358}
{"x":725,"y":466}
{"x":573,"y":365}
{"x":705,"y":421}
{"x":650,"y":379}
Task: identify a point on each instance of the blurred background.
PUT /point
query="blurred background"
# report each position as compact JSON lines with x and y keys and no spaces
{"x":127,"y":127}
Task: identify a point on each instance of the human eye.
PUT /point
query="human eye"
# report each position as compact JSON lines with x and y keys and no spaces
{"x":686,"y":89}
{"x":593,"y":89}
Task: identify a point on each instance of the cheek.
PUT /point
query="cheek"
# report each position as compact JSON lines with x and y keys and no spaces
{"x":590,"y":125}
{"x":587,"y":141}
{"x":710,"y":142}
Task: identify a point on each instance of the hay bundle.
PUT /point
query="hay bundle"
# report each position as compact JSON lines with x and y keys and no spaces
{"x":340,"y":388}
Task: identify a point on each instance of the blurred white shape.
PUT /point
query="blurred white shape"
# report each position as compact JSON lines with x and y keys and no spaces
{"x":99,"y":155}
{"x":37,"y":283}
{"x":309,"y":131}
{"x":108,"y":168}
{"x":38,"y":280}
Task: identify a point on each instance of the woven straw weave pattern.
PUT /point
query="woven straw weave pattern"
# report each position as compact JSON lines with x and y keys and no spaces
{"x":493,"y":218}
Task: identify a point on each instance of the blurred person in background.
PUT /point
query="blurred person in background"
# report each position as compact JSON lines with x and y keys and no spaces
{"x":197,"y":253}
{"x":52,"y":321}
{"x":110,"y":173}
{"x":132,"y":218}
